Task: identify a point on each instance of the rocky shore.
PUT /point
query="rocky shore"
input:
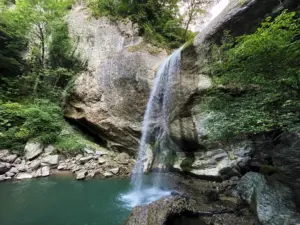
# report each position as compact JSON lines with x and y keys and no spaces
{"x":42,"y":161}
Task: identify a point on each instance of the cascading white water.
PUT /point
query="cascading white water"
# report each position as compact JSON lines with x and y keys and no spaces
{"x":156,"y":145}
{"x":155,"y":131}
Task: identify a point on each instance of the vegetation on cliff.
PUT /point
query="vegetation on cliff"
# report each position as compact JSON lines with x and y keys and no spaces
{"x":257,"y":81}
{"x":159,"y":21}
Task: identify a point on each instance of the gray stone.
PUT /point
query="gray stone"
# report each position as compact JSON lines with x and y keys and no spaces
{"x":11,"y":158}
{"x":123,"y":158}
{"x":91,"y":174}
{"x":271,"y":200}
{"x":38,"y":173}
{"x":158,"y":212}
{"x":21,"y":176}
{"x":35,"y":164}
{"x":115,"y":171}
{"x":14,"y":170}
{"x":45,"y":171}
{"x":75,"y":168}
{"x":50,"y":160}
{"x":102,"y":160}
{"x":218,"y":164}
{"x":78,"y":157}
{"x":80,"y":175}
{"x":18,"y":161}
{"x":88,"y":151}
{"x":85,"y":159}
{"x":107,"y":174}
{"x":3,"y":154}
{"x":9,"y":174}
{"x":2,"y":177}
{"x":62,"y":166}
{"x":50,"y":149}
{"x":33,"y":150}
{"x":21,"y":167}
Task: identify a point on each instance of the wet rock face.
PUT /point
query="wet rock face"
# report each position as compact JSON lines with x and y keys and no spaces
{"x":271,"y":200}
{"x":110,"y":98}
{"x":216,"y":164}
{"x":160,"y":212}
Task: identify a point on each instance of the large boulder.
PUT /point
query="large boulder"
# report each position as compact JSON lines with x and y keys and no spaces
{"x":217,"y":164}
{"x":50,"y":160}
{"x":45,"y":171}
{"x":161,"y":212}
{"x":110,"y":98}
{"x":271,"y":200}
{"x":80,"y":175}
{"x":33,"y":150}
{"x":22,"y":176}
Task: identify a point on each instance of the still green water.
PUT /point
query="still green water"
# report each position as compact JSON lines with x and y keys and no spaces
{"x":63,"y":201}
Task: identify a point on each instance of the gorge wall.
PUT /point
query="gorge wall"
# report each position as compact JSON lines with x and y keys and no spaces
{"x":110,"y":98}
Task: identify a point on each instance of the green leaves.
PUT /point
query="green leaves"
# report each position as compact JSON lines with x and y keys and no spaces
{"x":19,"y":123}
{"x":257,"y":80}
{"x":158,"y":20}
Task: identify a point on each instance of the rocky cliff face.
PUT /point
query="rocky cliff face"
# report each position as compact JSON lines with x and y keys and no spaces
{"x":110,"y":98}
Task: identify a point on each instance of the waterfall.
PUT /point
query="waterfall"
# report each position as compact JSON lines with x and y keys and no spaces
{"x":156,"y":146}
{"x":155,"y":142}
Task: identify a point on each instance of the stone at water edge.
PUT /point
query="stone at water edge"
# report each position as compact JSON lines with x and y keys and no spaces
{"x":62,"y":166}
{"x":9,"y":174}
{"x":107,"y":174}
{"x":80,"y":175}
{"x":75,"y":168}
{"x":91,"y":174}
{"x":115,"y":171}
{"x":45,"y":171}
{"x":2,"y":177}
{"x":22,"y":176}
{"x":160,"y":211}
{"x":33,"y":150}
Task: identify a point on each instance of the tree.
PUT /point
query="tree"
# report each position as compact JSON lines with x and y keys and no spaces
{"x":194,"y":9}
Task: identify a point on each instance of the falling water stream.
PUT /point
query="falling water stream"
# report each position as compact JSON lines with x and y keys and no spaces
{"x":156,"y":146}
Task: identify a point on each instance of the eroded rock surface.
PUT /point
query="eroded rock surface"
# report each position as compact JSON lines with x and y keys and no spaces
{"x":160,"y":211}
{"x":271,"y":200}
{"x":110,"y":98}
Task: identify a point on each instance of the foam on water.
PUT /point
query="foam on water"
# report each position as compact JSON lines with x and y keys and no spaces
{"x":143,"y":196}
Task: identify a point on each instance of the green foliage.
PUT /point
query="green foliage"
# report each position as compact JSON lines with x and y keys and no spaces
{"x":69,"y":145}
{"x":20,"y":123}
{"x":256,"y":77}
{"x":38,"y":29}
{"x":158,"y":20}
